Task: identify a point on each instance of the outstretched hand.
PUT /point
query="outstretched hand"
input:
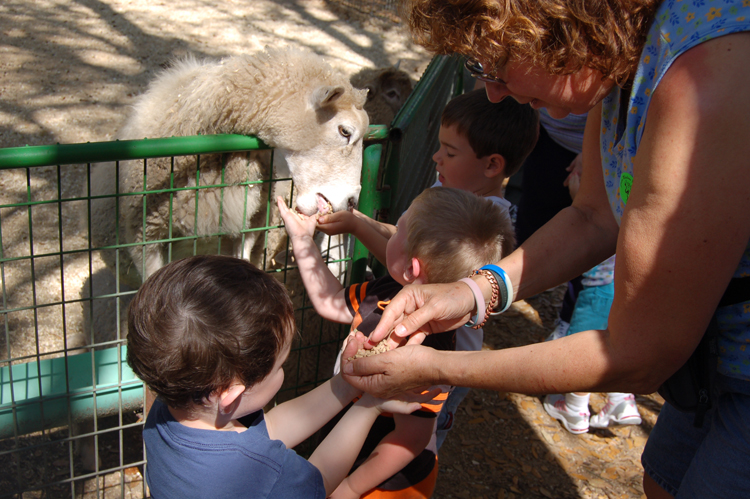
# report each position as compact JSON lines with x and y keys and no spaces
{"x":296,"y":224}
{"x":404,"y":403}
{"x":340,"y":222}
{"x":400,"y":373}
{"x":424,"y":309}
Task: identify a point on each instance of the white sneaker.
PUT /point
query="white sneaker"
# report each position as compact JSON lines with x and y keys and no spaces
{"x":573,"y":422}
{"x":626,"y":412}
{"x":560,"y":330}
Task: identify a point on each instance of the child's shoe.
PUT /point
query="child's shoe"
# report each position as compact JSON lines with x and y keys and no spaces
{"x":574,"y":422}
{"x":625,"y":412}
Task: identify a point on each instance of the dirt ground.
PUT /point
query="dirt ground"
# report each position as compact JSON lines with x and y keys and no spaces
{"x":504,"y":445}
{"x":69,"y":69}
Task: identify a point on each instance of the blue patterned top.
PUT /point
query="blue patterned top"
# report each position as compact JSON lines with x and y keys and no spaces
{"x":679,"y":25}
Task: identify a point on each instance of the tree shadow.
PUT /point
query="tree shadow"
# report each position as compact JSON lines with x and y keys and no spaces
{"x":70,"y":69}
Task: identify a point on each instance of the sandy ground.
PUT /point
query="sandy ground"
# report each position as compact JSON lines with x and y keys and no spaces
{"x":70,"y":68}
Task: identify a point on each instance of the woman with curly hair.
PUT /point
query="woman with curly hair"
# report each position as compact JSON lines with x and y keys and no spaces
{"x":665,"y":185}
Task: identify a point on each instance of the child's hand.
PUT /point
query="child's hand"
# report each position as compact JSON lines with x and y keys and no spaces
{"x":296,"y":224}
{"x":573,"y":180}
{"x":406,"y":403}
{"x":340,"y":222}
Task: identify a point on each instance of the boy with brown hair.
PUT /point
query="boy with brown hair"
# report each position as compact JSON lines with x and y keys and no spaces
{"x":442,"y":236}
{"x":209,"y":335}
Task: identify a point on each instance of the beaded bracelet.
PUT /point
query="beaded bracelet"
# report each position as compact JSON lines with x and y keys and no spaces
{"x":495,"y":292}
{"x":506,"y":290}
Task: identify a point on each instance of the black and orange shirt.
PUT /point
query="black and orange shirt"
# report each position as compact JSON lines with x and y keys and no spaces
{"x":366,"y":302}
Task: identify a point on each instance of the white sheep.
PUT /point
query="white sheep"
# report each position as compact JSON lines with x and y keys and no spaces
{"x":291,"y":99}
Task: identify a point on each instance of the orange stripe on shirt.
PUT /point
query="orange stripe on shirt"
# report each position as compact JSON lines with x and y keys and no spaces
{"x":436,"y":404}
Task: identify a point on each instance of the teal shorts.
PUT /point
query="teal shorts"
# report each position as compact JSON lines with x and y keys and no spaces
{"x":592,"y":308}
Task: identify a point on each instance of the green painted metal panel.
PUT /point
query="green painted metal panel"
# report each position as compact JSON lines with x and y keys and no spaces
{"x":96,"y":152}
{"x":40,"y":395}
{"x":370,"y":201}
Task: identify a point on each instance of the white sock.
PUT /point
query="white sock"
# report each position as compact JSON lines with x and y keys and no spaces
{"x":577,"y":403}
{"x":615,"y":398}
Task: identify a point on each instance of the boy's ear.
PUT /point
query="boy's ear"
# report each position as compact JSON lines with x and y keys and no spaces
{"x":495,"y":166}
{"x":229,"y":398}
{"x":413,"y":274}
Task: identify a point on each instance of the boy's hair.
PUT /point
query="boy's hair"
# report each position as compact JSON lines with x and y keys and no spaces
{"x":453,"y":232}
{"x":199,"y":324}
{"x":506,"y":128}
{"x":561,"y":36}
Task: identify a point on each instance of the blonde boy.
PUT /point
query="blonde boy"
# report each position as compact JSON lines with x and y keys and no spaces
{"x":443,"y":235}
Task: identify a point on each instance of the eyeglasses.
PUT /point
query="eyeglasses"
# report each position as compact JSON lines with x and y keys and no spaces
{"x":477,"y":71}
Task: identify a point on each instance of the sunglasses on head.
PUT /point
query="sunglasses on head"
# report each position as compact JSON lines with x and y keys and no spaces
{"x":476,"y":70}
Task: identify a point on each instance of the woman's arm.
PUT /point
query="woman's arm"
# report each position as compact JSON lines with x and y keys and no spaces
{"x":684,"y":230}
{"x":396,"y":450}
{"x":687,"y":221}
{"x":580,"y":237}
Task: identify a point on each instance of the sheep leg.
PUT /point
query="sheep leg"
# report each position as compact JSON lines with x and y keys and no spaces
{"x":243,"y":246}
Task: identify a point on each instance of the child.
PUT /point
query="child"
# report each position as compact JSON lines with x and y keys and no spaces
{"x":443,"y":235}
{"x":591,"y":311}
{"x":209,"y":334}
{"x":481,"y":145}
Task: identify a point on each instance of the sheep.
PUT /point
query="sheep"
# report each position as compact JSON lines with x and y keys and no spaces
{"x":387,"y":90}
{"x":289,"y":98}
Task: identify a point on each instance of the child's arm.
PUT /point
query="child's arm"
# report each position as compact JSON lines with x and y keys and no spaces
{"x":324,"y":290}
{"x":295,"y":420}
{"x":335,"y":456}
{"x":396,"y":450}
{"x":373,"y":234}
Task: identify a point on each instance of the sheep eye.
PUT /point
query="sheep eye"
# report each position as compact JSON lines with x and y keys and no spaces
{"x":345,"y":132}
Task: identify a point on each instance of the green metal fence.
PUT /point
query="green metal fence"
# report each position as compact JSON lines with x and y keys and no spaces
{"x":65,"y":390}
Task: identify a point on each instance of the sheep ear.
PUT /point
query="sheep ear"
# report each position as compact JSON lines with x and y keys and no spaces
{"x":325,"y":96}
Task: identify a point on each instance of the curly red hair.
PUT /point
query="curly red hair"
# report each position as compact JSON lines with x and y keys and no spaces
{"x":561,"y":36}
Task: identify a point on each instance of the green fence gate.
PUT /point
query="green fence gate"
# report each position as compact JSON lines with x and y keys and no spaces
{"x":66,"y":391}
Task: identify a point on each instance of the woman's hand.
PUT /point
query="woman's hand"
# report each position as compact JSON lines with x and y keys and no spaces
{"x":429,"y":308}
{"x":390,"y":374}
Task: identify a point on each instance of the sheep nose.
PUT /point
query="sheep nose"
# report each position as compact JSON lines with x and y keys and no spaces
{"x":351,"y":203}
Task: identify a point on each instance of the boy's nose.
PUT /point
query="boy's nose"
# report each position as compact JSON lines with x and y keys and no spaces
{"x":496,"y":91}
{"x":436,"y":156}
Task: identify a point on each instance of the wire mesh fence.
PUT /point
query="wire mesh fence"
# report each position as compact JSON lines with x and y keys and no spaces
{"x":70,"y":407}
